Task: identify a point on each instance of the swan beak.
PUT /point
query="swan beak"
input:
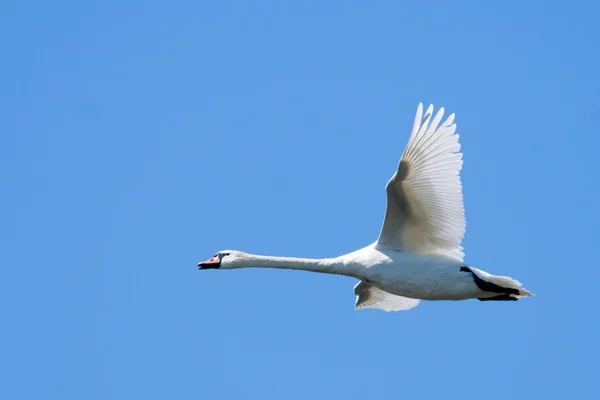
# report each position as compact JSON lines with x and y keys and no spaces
{"x":214,"y":262}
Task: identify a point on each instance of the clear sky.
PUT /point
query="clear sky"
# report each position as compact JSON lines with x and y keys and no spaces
{"x":139,"y":137}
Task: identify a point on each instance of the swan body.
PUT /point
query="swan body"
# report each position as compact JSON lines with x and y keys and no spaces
{"x":419,"y":276}
{"x":418,"y":255}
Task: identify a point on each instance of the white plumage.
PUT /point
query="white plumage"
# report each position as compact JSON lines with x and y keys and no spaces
{"x":369,"y":296}
{"x":425,"y":211}
{"x":418,"y":254}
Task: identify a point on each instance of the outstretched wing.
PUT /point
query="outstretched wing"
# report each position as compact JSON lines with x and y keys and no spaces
{"x":425,"y":212}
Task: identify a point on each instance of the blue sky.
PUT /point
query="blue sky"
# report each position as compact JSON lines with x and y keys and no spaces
{"x":139,"y":137}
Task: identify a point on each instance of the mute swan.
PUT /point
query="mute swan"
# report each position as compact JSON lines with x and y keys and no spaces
{"x":418,"y":255}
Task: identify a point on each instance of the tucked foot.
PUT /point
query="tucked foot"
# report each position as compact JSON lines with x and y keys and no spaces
{"x":502,"y":297}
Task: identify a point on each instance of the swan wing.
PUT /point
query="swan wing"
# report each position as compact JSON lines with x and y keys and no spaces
{"x":369,"y":296}
{"x":425,"y":212}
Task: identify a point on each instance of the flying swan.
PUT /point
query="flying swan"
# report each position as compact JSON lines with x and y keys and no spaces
{"x":418,"y":255}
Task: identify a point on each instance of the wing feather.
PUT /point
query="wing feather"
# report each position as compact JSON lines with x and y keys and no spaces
{"x":368,"y":296}
{"x":425,"y":211}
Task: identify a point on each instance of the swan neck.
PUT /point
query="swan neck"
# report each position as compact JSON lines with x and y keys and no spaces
{"x":323,"y":265}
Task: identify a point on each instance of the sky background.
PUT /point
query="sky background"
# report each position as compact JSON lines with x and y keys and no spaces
{"x":140,"y":137}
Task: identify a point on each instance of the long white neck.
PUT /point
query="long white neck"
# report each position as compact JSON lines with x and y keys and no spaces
{"x":324,"y":265}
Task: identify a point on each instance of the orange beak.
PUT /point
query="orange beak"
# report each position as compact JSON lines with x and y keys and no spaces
{"x":214,"y":262}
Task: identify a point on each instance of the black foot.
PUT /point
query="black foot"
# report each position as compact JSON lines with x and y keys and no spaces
{"x":488,"y":286}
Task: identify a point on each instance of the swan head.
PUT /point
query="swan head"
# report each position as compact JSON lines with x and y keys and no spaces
{"x":224,"y":259}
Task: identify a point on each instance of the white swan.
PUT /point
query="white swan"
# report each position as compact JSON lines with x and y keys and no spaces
{"x":418,"y":254}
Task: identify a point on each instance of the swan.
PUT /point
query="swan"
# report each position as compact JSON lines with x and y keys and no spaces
{"x":418,"y":255}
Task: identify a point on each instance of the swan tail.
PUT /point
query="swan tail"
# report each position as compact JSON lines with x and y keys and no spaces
{"x":504,"y":287}
{"x":369,"y":296}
